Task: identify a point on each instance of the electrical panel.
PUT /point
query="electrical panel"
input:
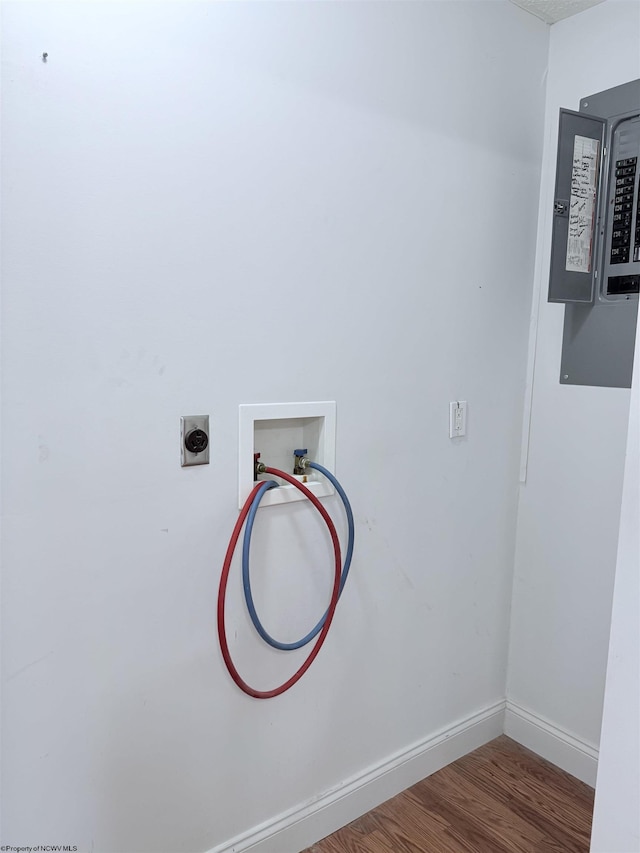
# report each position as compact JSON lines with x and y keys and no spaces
{"x":595,"y":251}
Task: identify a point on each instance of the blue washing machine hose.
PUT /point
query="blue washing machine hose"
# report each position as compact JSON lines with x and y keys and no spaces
{"x":246,"y":575}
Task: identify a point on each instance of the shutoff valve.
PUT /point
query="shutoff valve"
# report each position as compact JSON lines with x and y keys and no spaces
{"x":301,"y":461}
{"x":258,"y":467}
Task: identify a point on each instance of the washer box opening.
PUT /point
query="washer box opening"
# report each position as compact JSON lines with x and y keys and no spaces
{"x":275,"y":430}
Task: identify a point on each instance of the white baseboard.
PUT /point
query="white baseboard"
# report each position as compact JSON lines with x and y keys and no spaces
{"x":302,"y":826}
{"x":551,"y":742}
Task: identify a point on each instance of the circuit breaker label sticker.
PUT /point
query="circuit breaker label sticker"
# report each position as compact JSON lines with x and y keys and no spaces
{"x":582,"y":205}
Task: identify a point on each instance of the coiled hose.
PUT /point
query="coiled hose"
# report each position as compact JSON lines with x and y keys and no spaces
{"x":257,"y":492}
{"x":246,"y":575}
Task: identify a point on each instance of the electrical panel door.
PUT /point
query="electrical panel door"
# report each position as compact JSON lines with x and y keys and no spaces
{"x":580,"y":147}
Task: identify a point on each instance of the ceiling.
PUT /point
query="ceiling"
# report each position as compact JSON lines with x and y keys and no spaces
{"x":551,"y":11}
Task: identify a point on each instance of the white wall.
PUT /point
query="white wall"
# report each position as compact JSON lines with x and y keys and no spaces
{"x":616,"y":817}
{"x":178,"y":181}
{"x":569,"y":508}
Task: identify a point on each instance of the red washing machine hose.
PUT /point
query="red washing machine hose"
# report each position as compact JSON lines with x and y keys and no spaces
{"x":222,"y":591}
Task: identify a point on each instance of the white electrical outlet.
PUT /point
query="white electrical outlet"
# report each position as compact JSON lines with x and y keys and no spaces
{"x":457,"y":418}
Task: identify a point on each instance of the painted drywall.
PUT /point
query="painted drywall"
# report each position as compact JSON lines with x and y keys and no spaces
{"x":616,"y":818}
{"x":209,"y":204}
{"x":569,"y":509}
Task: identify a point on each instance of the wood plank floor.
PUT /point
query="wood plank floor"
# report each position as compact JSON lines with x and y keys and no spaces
{"x":502,"y":798}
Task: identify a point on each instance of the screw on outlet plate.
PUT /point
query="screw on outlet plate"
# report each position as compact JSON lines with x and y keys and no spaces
{"x":194,"y":440}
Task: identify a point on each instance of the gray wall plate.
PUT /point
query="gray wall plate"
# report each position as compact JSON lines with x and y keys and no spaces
{"x":187,"y":424}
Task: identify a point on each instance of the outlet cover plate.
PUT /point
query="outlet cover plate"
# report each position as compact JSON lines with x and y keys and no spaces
{"x":457,"y":418}
{"x":187,"y":423}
